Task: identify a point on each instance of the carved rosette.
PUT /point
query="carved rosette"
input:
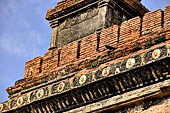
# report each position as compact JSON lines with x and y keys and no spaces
{"x":40,"y":93}
{"x":60,"y":87}
{"x":20,"y":101}
{"x":106,"y":71}
{"x":1,"y":107}
{"x":82,"y":79}
{"x":117,"y":70}
{"x":156,"y":54}
{"x":130,"y":63}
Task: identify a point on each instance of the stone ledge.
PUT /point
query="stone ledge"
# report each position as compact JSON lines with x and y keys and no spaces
{"x":69,"y":7}
{"x":136,"y":96}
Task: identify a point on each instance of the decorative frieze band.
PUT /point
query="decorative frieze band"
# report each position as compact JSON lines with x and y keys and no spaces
{"x":85,"y":79}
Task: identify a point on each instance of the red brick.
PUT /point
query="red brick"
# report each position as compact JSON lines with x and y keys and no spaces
{"x":130,"y":30}
{"x":167,"y":16}
{"x":152,"y":22}
{"x":33,"y":67}
{"x":109,"y":37}
{"x":68,"y":53}
{"x":88,"y":46}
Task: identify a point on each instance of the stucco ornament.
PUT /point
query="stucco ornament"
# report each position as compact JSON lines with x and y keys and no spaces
{"x":71,"y":81}
{"x":61,"y":87}
{"x":106,"y":71}
{"x":94,"y":75}
{"x":156,"y":54}
{"x":20,"y":101}
{"x":143,"y":62}
{"x":29,"y":97}
{"x":1,"y":107}
{"x":117,"y":71}
{"x":168,"y":49}
{"x":40,"y":93}
{"x":130,"y":63}
{"x":82,"y":79}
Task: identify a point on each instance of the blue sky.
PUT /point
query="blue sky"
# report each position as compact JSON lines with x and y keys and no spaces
{"x":25,"y":34}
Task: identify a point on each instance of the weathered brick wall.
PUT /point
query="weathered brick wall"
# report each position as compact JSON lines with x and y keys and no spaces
{"x":33,"y":67}
{"x":89,"y":52}
{"x":167,"y":15}
{"x":130,"y":30}
{"x":84,"y":56}
{"x":68,"y":53}
{"x":134,"y":34}
{"x":109,"y":37}
{"x":152,"y":21}
{"x":88,"y":46}
{"x":167,"y":20}
{"x":50,"y":61}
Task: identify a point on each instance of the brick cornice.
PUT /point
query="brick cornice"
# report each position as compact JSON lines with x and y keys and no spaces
{"x":67,"y":6}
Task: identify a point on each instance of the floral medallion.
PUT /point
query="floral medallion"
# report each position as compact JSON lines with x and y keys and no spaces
{"x":82,"y":79}
{"x":61,"y":87}
{"x":117,"y":71}
{"x":40,"y":93}
{"x":156,"y":54}
{"x":130,"y":63}
{"x":106,"y":72}
{"x":20,"y":101}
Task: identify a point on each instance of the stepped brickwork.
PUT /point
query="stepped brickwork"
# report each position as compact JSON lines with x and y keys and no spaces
{"x":121,"y":68}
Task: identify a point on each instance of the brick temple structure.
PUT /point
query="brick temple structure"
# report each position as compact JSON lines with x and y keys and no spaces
{"x":105,"y":56}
